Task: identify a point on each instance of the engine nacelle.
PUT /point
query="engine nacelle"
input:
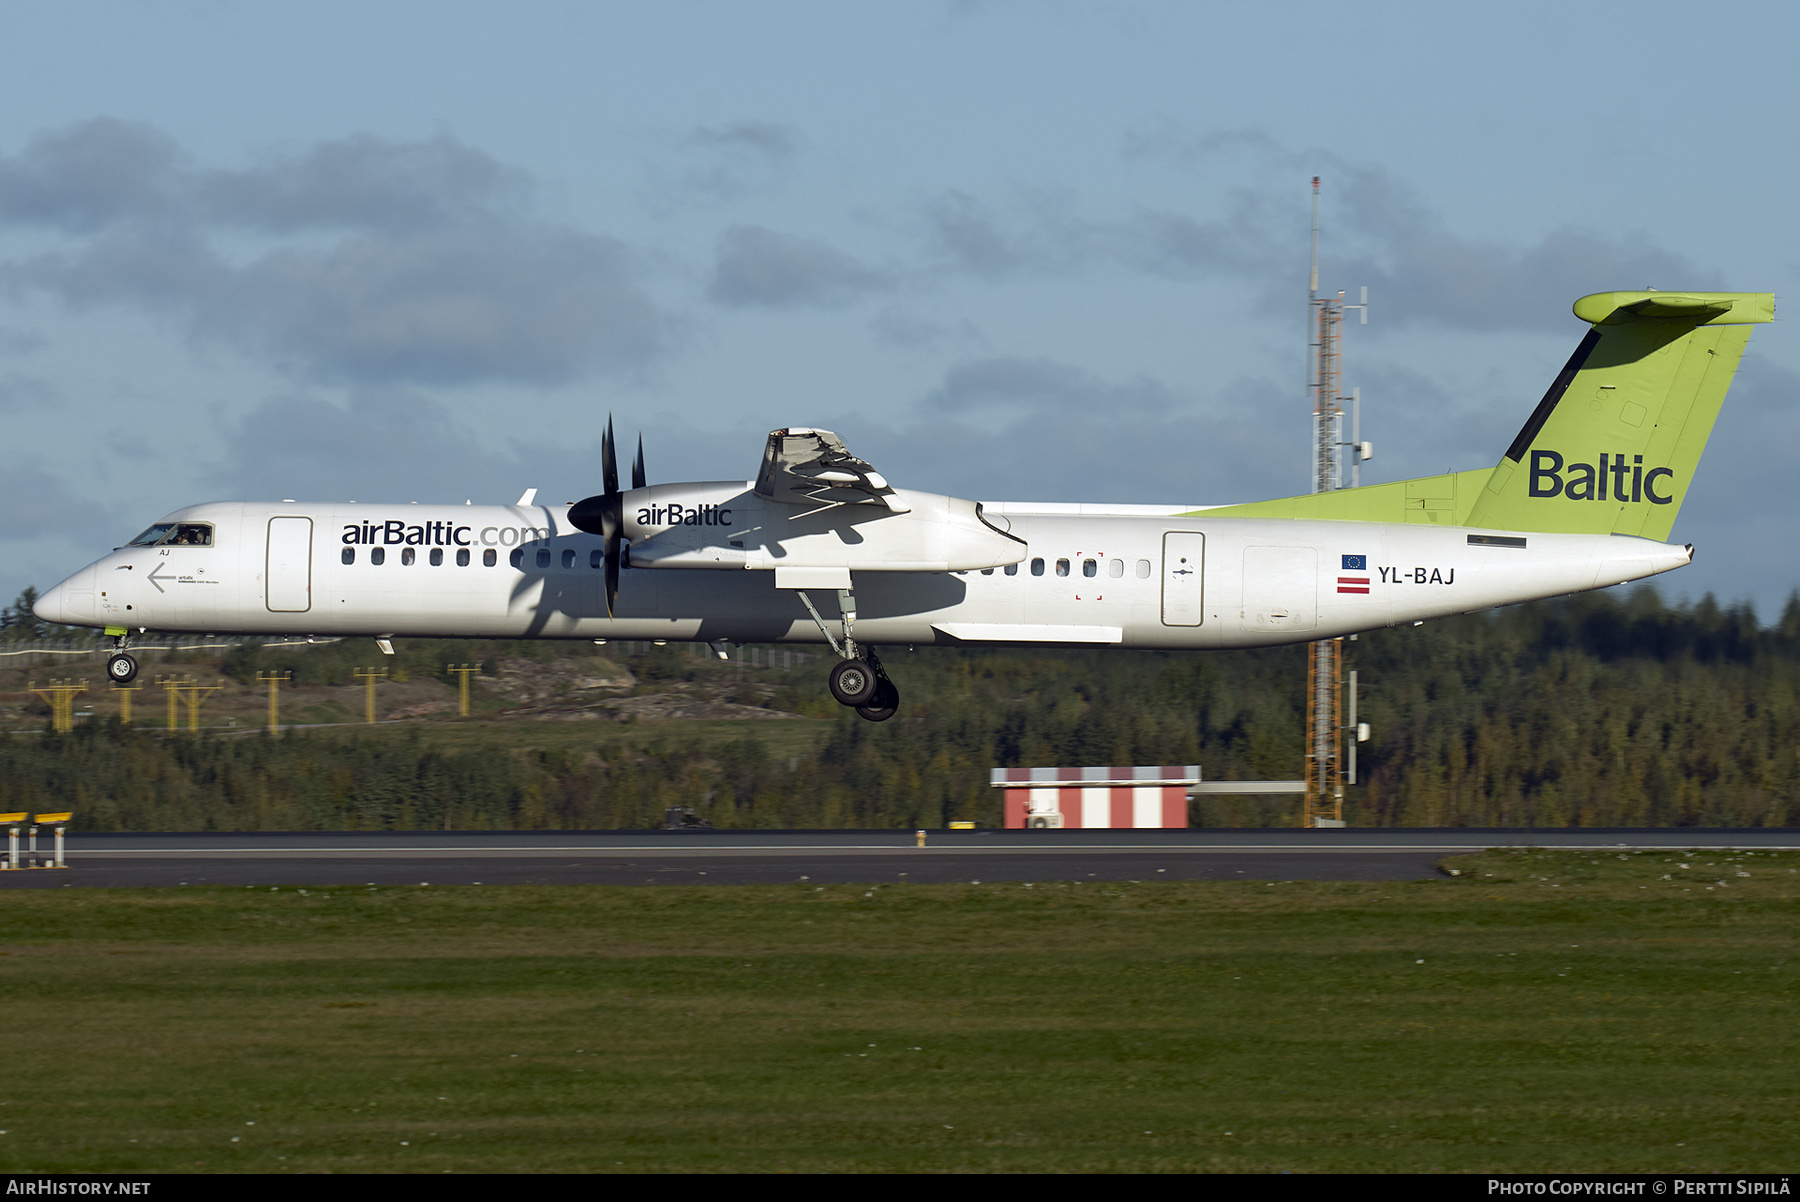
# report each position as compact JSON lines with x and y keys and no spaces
{"x":726,"y":525}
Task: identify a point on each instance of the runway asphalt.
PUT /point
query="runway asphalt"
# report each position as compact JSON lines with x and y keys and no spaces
{"x":767,"y":857}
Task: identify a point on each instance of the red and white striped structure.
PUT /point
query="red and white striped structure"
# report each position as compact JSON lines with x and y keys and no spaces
{"x":1096,"y":798}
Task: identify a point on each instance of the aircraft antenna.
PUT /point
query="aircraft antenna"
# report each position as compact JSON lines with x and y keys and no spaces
{"x":1312,"y":289}
{"x":1331,"y":455}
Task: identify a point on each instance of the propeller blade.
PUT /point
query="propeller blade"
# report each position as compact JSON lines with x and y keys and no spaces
{"x":638,"y":478}
{"x":609,"y":461}
{"x":612,"y":571}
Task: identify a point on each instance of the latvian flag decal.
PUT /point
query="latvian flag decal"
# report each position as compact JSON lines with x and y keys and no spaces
{"x":1354,"y":584}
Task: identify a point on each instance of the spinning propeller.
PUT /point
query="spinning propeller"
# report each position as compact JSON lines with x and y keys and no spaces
{"x":605,"y":514}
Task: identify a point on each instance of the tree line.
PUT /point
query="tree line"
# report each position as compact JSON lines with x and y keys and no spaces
{"x":1605,"y":709}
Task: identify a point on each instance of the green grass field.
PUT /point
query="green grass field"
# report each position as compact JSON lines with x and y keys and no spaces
{"x":1539,"y":1012}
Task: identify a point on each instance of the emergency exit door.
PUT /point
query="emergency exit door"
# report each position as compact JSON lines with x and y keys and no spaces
{"x":288,"y":575}
{"x":1183,"y":555}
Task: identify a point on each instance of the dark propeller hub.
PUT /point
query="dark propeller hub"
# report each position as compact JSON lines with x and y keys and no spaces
{"x":597,"y":515}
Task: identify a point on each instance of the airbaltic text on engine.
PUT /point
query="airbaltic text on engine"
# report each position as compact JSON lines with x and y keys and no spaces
{"x":678,"y":514}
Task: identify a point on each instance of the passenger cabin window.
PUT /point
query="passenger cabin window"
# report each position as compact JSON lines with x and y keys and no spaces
{"x":1143,"y":569}
{"x":1062,"y":567}
{"x":175,"y":534}
{"x":596,"y":558}
{"x":437,"y":557}
{"x":1089,"y":568}
{"x":377,"y":555}
{"x":489,"y":558}
{"x":1011,"y":569}
{"x":1115,"y":568}
{"x":568,"y":560}
{"x":349,"y":555}
{"x":987,"y":571}
{"x":543,"y":559}
{"x":462,"y":557}
{"x":1037,"y":567}
{"x":517,"y":558}
{"x":407,"y":557}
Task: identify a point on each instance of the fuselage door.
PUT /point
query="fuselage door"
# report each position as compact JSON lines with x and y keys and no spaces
{"x":1281,"y":589}
{"x":1183,"y":555}
{"x":289,"y":573}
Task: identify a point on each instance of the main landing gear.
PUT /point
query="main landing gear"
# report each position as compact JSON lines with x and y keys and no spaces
{"x":857,"y":679}
{"x":862,"y":685}
{"x":120,"y":667}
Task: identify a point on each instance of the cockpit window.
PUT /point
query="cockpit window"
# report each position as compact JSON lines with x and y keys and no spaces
{"x":175,"y":534}
{"x":152,"y":536}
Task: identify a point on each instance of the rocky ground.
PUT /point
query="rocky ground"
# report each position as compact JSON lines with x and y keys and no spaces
{"x":558,"y":688}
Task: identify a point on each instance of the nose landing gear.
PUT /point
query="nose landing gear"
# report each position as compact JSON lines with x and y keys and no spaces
{"x":120,"y":667}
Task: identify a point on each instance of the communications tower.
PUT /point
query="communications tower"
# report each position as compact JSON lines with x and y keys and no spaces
{"x":1332,"y":454}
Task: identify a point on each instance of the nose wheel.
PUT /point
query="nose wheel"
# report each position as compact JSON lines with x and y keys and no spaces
{"x":121,"y":668}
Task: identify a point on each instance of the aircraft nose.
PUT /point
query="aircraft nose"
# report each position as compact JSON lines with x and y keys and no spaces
{"x":69,"y":603}
{"x":49,"y":607}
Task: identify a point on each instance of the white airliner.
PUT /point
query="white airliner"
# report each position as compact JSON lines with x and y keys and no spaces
{"x":819,"y":548}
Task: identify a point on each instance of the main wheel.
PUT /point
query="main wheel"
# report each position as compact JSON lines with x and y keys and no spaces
{"x":853,"y":682}
{"x":884,"y":705}
{"x":121,"y":668}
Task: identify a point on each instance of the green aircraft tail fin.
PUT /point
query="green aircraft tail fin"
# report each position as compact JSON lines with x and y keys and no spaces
{"x":1613,"y":445}
{"x":1610,"y":449}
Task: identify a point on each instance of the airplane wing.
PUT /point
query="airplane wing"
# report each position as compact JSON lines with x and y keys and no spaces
{"x":803,"y":466}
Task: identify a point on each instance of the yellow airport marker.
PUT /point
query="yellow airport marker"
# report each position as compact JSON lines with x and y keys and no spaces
{"x":371,"y":675}
{"x":274,"y":681}
{"x":464,"y":671}
{"x":196,"y":693}
{"x":125,"y":691}
{"x":61,"y":695}
{"x":61,"y":820}
{"x":172,"y":685}
{"x":12,"y":851}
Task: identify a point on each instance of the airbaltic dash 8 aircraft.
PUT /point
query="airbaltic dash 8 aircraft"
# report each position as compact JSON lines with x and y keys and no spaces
{"x":1582,"y":499}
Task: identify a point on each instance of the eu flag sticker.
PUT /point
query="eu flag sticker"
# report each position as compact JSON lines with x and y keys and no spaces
{"x":1355,"y":563}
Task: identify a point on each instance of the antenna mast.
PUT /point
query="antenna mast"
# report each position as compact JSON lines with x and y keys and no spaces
{"x":1325,"y":780}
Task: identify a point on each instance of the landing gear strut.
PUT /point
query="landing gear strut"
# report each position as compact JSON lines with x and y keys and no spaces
{"x":857,"y":679}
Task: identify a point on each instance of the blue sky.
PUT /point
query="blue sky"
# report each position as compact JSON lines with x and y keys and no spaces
{"x":1009,"y":251}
